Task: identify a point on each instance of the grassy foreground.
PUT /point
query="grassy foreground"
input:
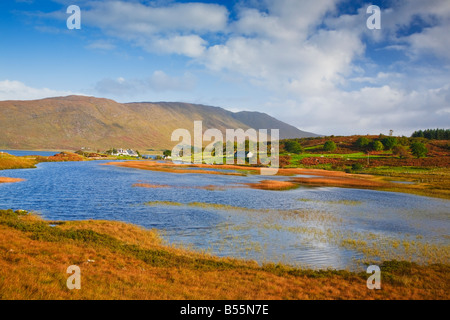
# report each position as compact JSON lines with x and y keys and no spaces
{"x":122,"y":261}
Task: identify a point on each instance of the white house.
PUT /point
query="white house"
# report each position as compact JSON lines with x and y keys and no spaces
{"x":123,"y":152}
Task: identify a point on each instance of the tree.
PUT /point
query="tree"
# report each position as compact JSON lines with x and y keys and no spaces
{"x":329,"y":146}
{"x":293,"y":146}
{"x":376,"y":145}
{"x":167,"y":153}
{"x":389,"y":142}
{"x":404,"y":141}
{"x":436,"y":134}
{"x":362,"y":142}
{"x":419,"y":150}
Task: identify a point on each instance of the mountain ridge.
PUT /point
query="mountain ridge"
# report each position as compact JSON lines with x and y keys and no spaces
{"x":73,"y":122}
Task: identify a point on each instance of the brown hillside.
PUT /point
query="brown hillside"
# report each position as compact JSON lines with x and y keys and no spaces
{"x":74,"y":122}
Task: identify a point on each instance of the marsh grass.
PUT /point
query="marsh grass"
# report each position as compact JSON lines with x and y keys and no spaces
{"x":319,"y":226}
{"x":315,"y":226}
{"x":8,"y":161}
{"x":122,"y":261}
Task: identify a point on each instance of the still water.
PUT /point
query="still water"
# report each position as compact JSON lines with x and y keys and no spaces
{"x":315,"y":227}
{"x":21,"y":153}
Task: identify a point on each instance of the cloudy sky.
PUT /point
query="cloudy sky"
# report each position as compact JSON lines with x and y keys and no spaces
{"x":311,"y":63}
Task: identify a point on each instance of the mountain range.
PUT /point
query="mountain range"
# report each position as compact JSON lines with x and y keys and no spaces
{"x":75,"y":122}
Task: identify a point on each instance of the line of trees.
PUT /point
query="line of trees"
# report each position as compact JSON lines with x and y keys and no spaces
{"x":383,"y":143}
{"x":397,"y":145}
{"x":432,"y":134}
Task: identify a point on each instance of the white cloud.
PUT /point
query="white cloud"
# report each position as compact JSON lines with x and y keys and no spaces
{"x":432,"y":15}
{"x":174,"y":28}
{"x":16,"y":90}
{"x":310,"y":61}
{"x":162,"y":27}
{"x":282,"y":50}
{"x":191,"y":45}
{"x":157,"y":82}
{"x":369,"y":110}
{"x":136,"y":18}
{"x":435,"y":40}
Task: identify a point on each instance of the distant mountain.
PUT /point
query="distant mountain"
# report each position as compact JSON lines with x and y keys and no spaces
{"x":259,"y":120}
{"x":73,"y":122}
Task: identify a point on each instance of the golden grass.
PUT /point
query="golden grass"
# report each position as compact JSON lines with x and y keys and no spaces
{"x":272,"y":185}
{"x":432,"y":182}
{"x":121,"y":261}
{"x":323,"y":177}
{"x":340,"y":181}
{"x":10,"y":180}
{"x":173,"y":168}
{"x":8,"y":161}
{"x":211,"y":187}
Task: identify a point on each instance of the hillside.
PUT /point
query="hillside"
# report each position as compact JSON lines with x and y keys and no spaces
{"x":74,"y":122}
{"x":259,"y":120}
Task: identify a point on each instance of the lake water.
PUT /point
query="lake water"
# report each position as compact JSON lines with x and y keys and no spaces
{"x":21,"y":153}
{"x":316,"y":227}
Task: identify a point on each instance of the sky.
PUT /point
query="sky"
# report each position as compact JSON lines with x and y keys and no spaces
{"x":311,"y":63}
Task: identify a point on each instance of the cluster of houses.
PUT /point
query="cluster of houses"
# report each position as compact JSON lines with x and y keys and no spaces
{"x":125,"y":152}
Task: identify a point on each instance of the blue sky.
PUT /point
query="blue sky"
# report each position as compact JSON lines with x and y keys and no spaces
{"x":313,"y":64}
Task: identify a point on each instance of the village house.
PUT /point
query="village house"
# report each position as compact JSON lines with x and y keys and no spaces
{"x":123,"y":152}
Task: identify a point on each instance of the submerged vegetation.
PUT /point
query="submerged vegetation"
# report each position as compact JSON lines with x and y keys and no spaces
{"x":344,"y":202}
{"x":122,"y":261}
{"x":319,"y":226}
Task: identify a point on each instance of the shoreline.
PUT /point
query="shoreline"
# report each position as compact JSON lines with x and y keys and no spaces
{"x":428,"y":184}
{"x":321,"y":178}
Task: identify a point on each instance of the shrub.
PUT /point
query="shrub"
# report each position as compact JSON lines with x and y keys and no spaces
{"x":293,"y":146}
{"x":400,"y":151}
{"x":376,"y":145}
{"x":357,"y":167}
{"x":389,"y":142}
{"x":329,"y":146}
{"x":362,"y":142}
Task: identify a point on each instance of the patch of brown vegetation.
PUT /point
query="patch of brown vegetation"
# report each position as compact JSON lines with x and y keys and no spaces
{"x":323,"y":177}
{"x":184,"y":168}
{"x":151,"y":186}
{"x":178,"y":168}
{"x":10,"y":180}
{"x":341,"y":182}
{"x":272,"y":185}
{"x":65,"y":156}
{"x":35,"y":268}
{"x":435,"y":187}
{"x":215,"y":188}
